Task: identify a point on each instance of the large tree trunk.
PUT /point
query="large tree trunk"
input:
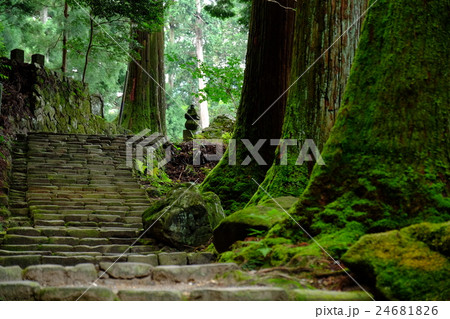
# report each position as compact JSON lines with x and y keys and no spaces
{"x":203,"y":106}
{"x":388,"y":156}
{"x":266,"y":78}
{"x":322,"y":58}
{"x":145,"y":106}
{"x":171,"y":76}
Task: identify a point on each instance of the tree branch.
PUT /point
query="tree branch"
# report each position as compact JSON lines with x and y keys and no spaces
{"x":284,"y":7}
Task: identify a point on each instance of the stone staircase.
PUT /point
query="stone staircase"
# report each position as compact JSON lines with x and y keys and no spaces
{"x":74,"y":201}
{"x":74,"y":234}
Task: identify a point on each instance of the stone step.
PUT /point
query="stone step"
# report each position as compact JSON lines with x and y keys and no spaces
{"x":60,"y":220}
{"x":4,"y":253}
{"x":164,"y":273}
{"x":54,"y":248}
{"x":191,"y":273}
{"x":238,"y":294}
{"x":27,"y":233}
{"x":50,"y":222}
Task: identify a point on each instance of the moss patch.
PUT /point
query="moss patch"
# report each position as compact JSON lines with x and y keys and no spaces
{"x":405,"y":265}
{"x":254,"y":220}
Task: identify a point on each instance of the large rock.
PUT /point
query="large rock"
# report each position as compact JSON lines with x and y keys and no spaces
{"x":219,"y":126}
{"x":243,"y":223}
{"x":185,"y":218}
{"x":410,"y":264}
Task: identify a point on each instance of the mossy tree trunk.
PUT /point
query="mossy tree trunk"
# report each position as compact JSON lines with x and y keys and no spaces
{"x":389,"y":152}
{"x":322,"y":61}
{"x":145,"y":106}
{"x":266,"y":78}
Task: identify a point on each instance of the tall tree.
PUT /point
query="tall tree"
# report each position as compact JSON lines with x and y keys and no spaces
{"x":266,"y":78}
{"x":388,"y":156}
{"x":326,"y":37}
{"x":145,"y":106}
{"x":199,"y":22}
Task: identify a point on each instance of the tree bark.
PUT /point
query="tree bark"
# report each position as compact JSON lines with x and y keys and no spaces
{"x":145,"y":106}
{"x":172,"y":42}
{"x":44,"y":15}
{"x":64,"y":49}
{"x":388,"y":156}
{"x":89,"y":48}
{"x":203,"y":106}
{"x":322,"y":59}
{"x":266,"y":78}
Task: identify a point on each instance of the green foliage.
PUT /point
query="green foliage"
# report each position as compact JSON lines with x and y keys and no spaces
{"x":2,"y":45}
{"x":175,"y":121}
{"x":223,"y":83}
{"x":222,"y":39}
{"x":154,"y":176}
{"x":224,"y":9}
{"x":146,"y":13}
{"x":2,"y":53}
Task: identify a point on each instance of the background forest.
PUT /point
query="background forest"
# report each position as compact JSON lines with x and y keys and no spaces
{"x":42,"y":26}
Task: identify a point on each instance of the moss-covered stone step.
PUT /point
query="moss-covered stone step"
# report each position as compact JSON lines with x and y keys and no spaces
{"x":88,"y":232}
{"x":326,"y":295}
{"x":11,"y":273}
{"x":76,"y":293}
{"x":150,"y":295}
{"x":24,"y":240}
{"x":4,"y":253}
{"x":94,"y":237}
{"x":58,"y":219}
{"x":191,"y":273}
{"x":69,"y":258}
{"x":239,"y":294}
{"x":50,"y":222}
{"x":19,"y":291}
{"x":22,"y":261}
{"x":128,"y":270}
{"x":57,"y":275}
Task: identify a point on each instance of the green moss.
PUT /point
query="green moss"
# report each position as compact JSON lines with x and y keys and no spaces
{"x":387,"y":159}
{"x":251,"y":221}
{"x":272,"y":251}
{"x":233,"y":183}
{"x":321,"y":295}
{"x":401,"y":265}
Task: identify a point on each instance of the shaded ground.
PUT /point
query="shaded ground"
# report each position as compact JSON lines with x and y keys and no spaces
{"x":182,"y":168}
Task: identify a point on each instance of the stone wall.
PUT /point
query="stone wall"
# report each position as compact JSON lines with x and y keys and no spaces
{"x":36,"y":99}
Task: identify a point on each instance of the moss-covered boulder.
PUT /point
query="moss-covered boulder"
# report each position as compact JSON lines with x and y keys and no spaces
{"x":409,"y":264}
{"x":185,"y":218}
{"x":219,"y":126}
{"x":253,"y":219}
